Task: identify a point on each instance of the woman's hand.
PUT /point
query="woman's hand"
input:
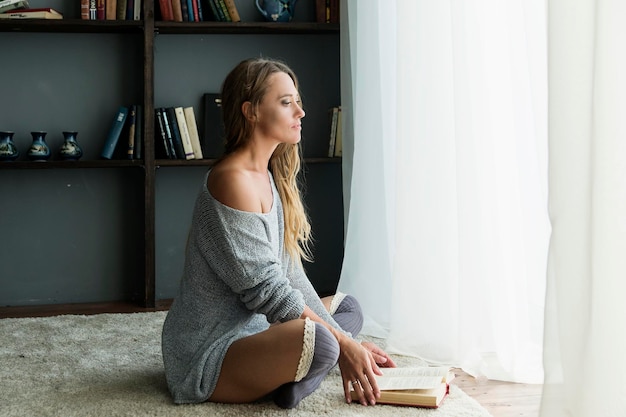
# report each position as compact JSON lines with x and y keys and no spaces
{"x":381,"y":358}
{"x":358,"y":369}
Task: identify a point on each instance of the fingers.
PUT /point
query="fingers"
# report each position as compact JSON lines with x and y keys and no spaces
{"x":363,"y":391}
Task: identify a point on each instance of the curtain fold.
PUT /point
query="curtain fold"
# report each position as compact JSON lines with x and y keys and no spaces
{"x":585,"y":342}
{"x":445,"y":179}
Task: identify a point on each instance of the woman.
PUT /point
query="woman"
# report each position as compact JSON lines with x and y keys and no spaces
{"x":247,"y":323}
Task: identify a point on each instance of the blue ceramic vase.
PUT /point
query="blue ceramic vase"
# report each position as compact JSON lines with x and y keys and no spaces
{"x":8,"y":150}
{"x":276,"y":10}
{"x":70,"y":150}
{"x":39,"y":150}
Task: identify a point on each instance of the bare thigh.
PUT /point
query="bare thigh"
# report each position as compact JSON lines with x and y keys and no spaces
{"x":256,"y":365}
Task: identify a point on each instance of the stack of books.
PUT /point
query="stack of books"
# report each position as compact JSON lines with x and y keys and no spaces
{"x":192,"y":11}
{"x":19,"y":9}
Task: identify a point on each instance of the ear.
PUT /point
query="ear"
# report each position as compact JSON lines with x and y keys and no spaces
{"x":248,"y":111}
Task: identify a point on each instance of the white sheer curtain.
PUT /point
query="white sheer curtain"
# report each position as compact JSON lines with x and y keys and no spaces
{"x":585,"y":342}
{"x":445,"y":180}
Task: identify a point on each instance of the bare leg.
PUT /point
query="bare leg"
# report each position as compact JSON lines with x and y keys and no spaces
{"x":256,"y":365}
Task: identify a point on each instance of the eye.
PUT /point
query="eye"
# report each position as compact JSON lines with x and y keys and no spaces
{"x":286,"y":102}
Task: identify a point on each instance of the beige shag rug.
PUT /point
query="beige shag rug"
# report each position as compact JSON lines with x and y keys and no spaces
{"x":110,"y":365}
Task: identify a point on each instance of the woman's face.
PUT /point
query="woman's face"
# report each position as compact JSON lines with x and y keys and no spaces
{"x":279,"y":113}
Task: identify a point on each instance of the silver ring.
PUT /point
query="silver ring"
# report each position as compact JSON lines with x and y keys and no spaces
{"x":355,"y":382}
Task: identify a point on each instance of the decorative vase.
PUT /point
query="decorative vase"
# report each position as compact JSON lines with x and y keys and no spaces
{"x":39,"y":150}
{"x":8,"y":150}
{"x":70,"y":150}
{"x":276,"y":10}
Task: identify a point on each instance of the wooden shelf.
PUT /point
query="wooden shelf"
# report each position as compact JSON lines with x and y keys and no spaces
{"x":71,"y":26}
{"x":266,"y":28}
{"x":70,"y":164}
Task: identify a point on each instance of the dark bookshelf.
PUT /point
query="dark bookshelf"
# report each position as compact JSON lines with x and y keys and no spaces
{"x":141,"y":294}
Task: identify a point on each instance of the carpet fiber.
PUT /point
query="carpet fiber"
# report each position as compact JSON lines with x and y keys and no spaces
{"x":110,"y":365}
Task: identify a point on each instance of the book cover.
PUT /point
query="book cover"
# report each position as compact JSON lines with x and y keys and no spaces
{"x":232,"y":10}
{"x":192,"y":126}
{"x":130,"y":9}
{"x":7,"y":5}
{"x":417,"y":387}
{"x":45,"y":13}
{"x":214,"y":12}
{"x":194,"y":7}
{"x":137,"y":10}
{"x":177,"y":140}
{"x":93,"y":10}
{"x":132,"y":126}
{"x":138,"y":152}
{"x":168,"y":133}
{"x":184,"y":132}
{"x":114,"y":133}
{"x":320,"y":11}
{"x":213,"y":126}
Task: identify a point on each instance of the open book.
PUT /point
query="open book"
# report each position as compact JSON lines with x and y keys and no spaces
{"x":419,"y":387}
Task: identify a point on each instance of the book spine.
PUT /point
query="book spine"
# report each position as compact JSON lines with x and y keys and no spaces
{"x":334,"y":11}
{"x":333,"y":131}
{"x":190,"y":10}
{"x":137,"y":11}
{"x":232,"y":10}
{"x":194,"y":7}
{"x":168,"y":134}
{"x":130,"y":9}
{"x":132,"y":125}
{"x":223,"y":10}
{"x":93,"y":10}
{"x":177,"y":140}
{"x":339,"y":135}
{"x":216,"y":15}
{"x":200,"y":14}
{"x":184,"y":132}
{"x":177,"y":11}
{"x":120,"y":14}
{"x":111,"y":9}
{"x":7,"y":5}
{"x":167,"y":14}
{"x":114,"y":133}
{"x":84,"y":9}
{"x":190,"y":118}
{"x":184,"y":10}
{"x":161,"y":129}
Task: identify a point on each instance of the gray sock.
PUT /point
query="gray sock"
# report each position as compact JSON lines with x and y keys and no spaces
{"x":325,"y":356}
{"x":349,"y":315}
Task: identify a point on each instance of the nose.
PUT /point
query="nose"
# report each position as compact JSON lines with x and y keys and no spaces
{"x":301,"y":112}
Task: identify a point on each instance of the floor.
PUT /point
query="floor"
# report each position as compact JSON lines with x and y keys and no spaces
{"x":501,"y":399}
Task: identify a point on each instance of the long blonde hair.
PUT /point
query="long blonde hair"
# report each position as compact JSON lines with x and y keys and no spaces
{"x":248,"y":81}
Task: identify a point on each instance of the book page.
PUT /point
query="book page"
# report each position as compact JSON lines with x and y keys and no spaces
{"x":412,"y":378}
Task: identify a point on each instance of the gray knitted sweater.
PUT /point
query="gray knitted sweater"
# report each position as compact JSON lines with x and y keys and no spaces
{"x":237,"y":279}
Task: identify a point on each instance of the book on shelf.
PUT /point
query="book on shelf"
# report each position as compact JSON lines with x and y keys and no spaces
{"x":101,"y":9}
{"x":115,"y":131}
{"x":213,"y":126}
{"x":231,"y":7}
{"x":339,"y":135}
{"x":132,"y":126}
{"x":322,"y":11}
{"x":163,"y":150}
{"x":120,"y":14}
{"x":177,"y":10}
{"x":85,"y":9}
{"x":334,"y":115}
{"x":425,"y":386}
{"x":177,"y":141}
{"x":192,"y":126}
{"x":41,"y":13}
{"x":110,"y":9}
{"x":137,"y":10}
{"x":8,"y":5}
{"x":184,"y":132}
{"x":167,"y":12}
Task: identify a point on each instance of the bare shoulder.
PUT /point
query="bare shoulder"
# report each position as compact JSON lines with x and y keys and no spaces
{"x":234,"y":188}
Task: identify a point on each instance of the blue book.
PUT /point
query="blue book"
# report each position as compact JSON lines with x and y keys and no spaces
{"x":114,"y":133}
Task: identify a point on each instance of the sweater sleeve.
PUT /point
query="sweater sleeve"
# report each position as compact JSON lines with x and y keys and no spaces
{"x":237,"y":247}
{"x":300,"y":280}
